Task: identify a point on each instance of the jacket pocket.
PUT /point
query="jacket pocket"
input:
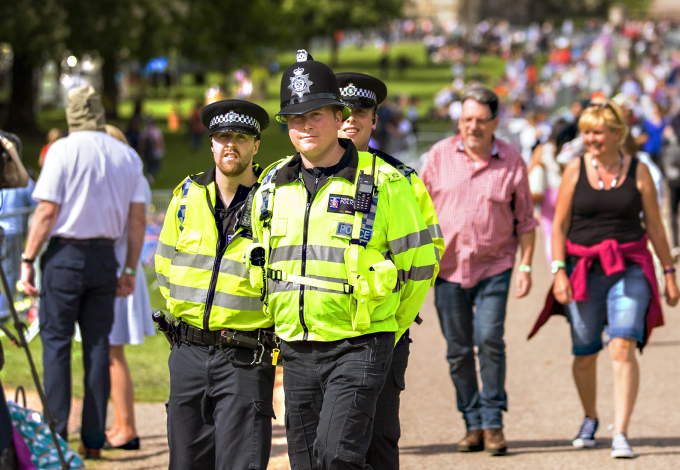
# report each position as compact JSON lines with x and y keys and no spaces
{"x":189,"y":241}
{"x":279,"y":227}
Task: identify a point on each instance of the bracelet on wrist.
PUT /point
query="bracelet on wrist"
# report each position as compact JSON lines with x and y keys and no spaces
{"x":525,"y":268}
{"x":557,"y":265}
{"x":670,"y":270}
{"x":129,"y":271}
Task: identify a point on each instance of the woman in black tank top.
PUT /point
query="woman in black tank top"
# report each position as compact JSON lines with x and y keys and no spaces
{"x":608,"y":199}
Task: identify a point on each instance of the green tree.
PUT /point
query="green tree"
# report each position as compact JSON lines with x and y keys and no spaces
{"x":35,"y":29}
{"x":138,"y":29}
{"x":230,"y":33}
{"x":321,"y":18}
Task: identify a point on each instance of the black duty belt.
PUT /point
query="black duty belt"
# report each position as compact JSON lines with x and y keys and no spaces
{"x":227,"y":337}
{"x":84,"y":242}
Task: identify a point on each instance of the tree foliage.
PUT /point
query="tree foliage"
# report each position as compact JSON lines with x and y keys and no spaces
{"x":36,"y":31}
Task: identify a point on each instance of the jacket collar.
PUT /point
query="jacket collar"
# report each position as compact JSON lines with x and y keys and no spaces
{"x":346,"y":168}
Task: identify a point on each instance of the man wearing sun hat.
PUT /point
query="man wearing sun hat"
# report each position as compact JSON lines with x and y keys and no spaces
{"x":345,"y":244}
{"x":363,"y":94}
{"x":222,"y":363}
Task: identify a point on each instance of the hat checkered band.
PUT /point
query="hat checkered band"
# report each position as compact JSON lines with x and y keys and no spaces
{"x":351,"y":91}
{"x":231,"y":116}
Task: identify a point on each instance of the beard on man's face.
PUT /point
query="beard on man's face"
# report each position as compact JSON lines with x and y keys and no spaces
{"x":232,"y":168}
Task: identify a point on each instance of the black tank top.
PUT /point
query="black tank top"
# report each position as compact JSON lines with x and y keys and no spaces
{"x":600,"y":215}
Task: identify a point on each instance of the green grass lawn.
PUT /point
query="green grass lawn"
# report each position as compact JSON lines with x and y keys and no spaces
{"x":148,"y":364}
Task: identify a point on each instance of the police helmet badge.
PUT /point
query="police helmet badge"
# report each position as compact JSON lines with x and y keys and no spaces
{"x":299,"y":84}
{"x":302,"y":55}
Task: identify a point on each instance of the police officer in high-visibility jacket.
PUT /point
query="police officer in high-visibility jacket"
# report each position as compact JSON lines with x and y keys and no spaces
{"x":363,"y":94}
{"x":344,"y":239}
{"x":221,"y":372}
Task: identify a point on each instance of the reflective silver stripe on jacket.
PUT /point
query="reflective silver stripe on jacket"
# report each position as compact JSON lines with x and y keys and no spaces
{"x":285,"y":286}
{"x":314,"y":253}
{"x":166,"y":251}
{"x":412,"y":240}
{"x":222,"y":299}
{"x":227,"y":266}
{"x":163,"y":281}
{"x":416,"y":273}
{"x":435,"y":231}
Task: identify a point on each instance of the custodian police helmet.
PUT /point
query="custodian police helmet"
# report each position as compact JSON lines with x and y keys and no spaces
{"x":234,"y":116}
{"x":308,"y":85}
{"x":359,"y":90}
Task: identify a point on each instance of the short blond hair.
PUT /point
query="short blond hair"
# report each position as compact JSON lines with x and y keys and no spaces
{"x":609,"y":114}
{"x":116,"y":133}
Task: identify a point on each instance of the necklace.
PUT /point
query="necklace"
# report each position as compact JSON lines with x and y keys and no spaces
{"x":618,"y":173}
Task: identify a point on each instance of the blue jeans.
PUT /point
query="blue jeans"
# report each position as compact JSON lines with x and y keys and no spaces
{"x":620,"y":301}
{"x":475,"y":317}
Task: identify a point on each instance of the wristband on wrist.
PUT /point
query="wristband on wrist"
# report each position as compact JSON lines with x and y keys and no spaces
{"x":525,"y":268}
{"x":129,"y":271}
{"x":26,"y":259}
{"x":557,"y":265}
{"x":670,"y":270}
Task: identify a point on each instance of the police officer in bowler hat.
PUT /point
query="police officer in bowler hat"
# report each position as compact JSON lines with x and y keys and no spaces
{"x":363,"y":94}
{"x":222,"y":361}
{"x":343,"y":234}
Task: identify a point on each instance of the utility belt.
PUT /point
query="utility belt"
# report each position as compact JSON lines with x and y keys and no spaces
{"x":258,"y":341}
{"x":232,"y":338}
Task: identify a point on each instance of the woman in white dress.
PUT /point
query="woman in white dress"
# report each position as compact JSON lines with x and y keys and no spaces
{"x":132,"y":321}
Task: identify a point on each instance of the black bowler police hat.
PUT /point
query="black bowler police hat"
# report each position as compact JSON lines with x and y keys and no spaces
{"x":359,"y":90}
{"x":234,"y":116}
{"x":308,"y":85}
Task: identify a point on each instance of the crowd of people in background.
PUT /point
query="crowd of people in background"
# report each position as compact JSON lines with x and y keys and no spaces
{"x":553,"y":74}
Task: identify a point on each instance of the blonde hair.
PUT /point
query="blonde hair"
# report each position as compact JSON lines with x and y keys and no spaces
{"x":116,"y":133}
{"x":609,"y":114}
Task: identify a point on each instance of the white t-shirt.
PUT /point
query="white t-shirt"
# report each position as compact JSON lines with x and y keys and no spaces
{"x":94,"y":178}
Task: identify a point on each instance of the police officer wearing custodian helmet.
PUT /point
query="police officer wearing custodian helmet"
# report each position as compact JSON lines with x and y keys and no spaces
{"x":221,"y":371}
{"x":342,"y":234}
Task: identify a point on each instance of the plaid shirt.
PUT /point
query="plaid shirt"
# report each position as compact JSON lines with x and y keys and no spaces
{"x":482,"y":210}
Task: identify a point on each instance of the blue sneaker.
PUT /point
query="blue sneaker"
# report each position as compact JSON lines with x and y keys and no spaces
{"x":586,"y":436}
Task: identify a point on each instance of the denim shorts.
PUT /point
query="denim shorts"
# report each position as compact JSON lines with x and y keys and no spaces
{"x":616,"y":304}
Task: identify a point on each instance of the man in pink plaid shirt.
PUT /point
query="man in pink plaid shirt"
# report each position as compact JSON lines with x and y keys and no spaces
{"x":481,"y":194}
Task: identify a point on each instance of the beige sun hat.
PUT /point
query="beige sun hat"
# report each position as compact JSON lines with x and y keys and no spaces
{"x":85,"y":111}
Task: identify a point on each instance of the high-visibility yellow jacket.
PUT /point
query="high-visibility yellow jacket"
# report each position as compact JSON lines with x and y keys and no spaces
{"x":424,"y":203}
{"x":305,"y":237}
{"x":205,"y":285}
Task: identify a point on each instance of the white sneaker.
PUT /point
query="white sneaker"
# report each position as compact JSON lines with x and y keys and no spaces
{"x":586,"y":435}
{"x":620,"y":447}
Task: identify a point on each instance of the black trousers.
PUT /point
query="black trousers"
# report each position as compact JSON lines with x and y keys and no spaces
{"x":383,"y":453}
{"x":78,"y":285}
{"x":219,"y":414}
{"x":331,"y":391}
